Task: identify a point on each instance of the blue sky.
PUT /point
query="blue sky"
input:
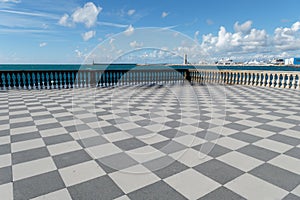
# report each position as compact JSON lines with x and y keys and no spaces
{"x":65,"y":31}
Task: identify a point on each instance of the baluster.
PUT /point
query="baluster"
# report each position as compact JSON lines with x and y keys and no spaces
{"x":48,"y":81}
{"x":51,"y":80}
{"x":28,"y":81}
{"x":56,"y":79}
{"x":8,"y":81}
{"x":43,"y":80}
{"x":33,"y":80}
{"x":60,"y":80}
{"x":294,"y":83}
{"x":272,"y":80}
{"x":289,"y":81}
{"x":84,"y":79}
{"x":3,"y":81}
{"x":69,"y":80}
{"x":278,"y":81}
{"x":73,"y":80}
{"x":89,"y":78}
{"x":14,"y":80}
{"x":284,"y":81}
{"x":19,"y":80}
{"x":65,"y":80}
{"x":298,"y":82}
{"x":38,"y":77}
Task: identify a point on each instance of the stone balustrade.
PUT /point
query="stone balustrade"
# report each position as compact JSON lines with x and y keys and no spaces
{"x":283,"y":79}
{"x":60,"y":79}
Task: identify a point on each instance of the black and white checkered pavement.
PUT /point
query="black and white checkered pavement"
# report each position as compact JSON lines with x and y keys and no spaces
{"x":142,"y":142}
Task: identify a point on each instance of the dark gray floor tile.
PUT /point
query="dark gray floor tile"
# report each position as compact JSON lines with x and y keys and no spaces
{"x":29,"y":155}
{"x":21,"y":124}
{"x":138,"y":132}
{"x":92,"y":141}
{"x":5,"y":175}
{"x":236,"y":126}
{"x":164,"y":168}
{"x":158,"y":190}
{"x":169,"y":146}
{"x":5,"y":149}
{"x":110,"y":129}
{"x":25,"y":136}
{"x":259,"y":119}
{"x":211,"y":149}
{"x":294,"y":152}
{"x":277,"y":176}
{"x":76,"y":128}
{"x":57,"y":139}
{"x":99,"y":188}
{"x":71,"y":158}
{"x":285,"y":139}
{"x":37,"y":185}
{"x":245,"y":137}
{"x":267,"y":127}
{"x":258,"y":152}
{"x":118,"y":161}
{"x":291,"y":197}
{"x":169,"y":133}
{"x":4,"y":132}
{"x":129,"y":144}
{"x":222,"y":193}
{"x":218,"y":171}
{"x":49,"y":126}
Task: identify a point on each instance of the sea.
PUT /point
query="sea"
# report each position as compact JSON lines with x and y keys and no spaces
{"x":49,"y":67}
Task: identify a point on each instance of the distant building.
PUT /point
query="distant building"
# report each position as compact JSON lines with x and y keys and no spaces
{"x":278,"y":62}
{"x":292,"y":61}
{"x":185,"y":59}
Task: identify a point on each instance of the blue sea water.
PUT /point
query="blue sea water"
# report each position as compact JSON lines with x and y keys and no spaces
{"x":48,"y":67}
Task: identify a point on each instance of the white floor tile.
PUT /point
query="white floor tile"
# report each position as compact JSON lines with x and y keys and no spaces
{"x":103,"y":150}
{"x":32,"y":168}
{"x":133,"y":178}
{"x":287,"y":162}
{"x":28,"y":144}
{"x":6,"y":191}
{"x":240,"y":161}
{"x":81,"y":172}
{"x":192,"y":184}
{"x":254,"y":188}
{"x":273,"y":145}
{"x":63,"y":147}
{"x":60,"y":194}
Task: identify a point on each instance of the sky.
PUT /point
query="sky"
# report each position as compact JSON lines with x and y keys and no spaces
{"x":67,"y":31}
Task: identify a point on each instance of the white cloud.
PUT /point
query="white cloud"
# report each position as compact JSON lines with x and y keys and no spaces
{"x":65,"y":20}
{"x":164,"y":14}
{"x":130,"y":12}
{"x":43,"y":44}
{"x":88,"y":35}
{"x":287,"y":39}
{"x":244,"y":28}
{"x":135,"y":44}
{"x":10,"y":1}
{"x":87,"y":15}
{"x":129,"y":30}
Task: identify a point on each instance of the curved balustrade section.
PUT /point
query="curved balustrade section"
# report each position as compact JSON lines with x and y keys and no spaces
{"x":88,"y":78}
{"x":290,"y":80}
{"x":111,"y":78}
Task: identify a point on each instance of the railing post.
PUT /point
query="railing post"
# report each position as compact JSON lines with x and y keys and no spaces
{"x":278,"y":84}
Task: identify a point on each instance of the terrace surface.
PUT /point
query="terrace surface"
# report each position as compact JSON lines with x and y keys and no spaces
{"x":150,"y":143}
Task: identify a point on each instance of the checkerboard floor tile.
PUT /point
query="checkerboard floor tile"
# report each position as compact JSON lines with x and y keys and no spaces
{"x":150,"y":142}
